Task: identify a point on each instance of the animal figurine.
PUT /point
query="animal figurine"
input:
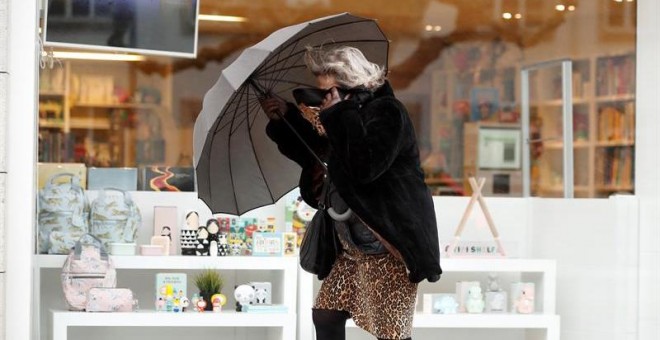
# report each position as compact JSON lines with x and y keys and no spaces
{"x":475,"y":302}
{"x":525,"y":302}
{"x":446,"y":305}
{"x":243,"y":295}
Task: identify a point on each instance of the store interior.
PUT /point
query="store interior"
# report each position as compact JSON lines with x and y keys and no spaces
{"x":457,"y":66}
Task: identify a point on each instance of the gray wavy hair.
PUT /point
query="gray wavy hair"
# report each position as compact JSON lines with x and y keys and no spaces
{"x":348,"y":64}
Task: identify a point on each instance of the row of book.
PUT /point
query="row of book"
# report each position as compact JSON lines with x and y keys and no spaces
{"x":616,"y":165}
{"x":617,"y":123}
{"x":55,"y":146}
{"x":615,"y":75}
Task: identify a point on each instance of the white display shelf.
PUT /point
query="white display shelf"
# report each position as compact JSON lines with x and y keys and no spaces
{"x":185,"y":262}
{"x":283,"y":325}
{"x":62,"y":320}
{"x":541,"y":271}
{"x":519,"y":321}
{"x":497,"y":265}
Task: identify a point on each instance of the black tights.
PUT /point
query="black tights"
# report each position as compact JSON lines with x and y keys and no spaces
{"x":331,"y":324}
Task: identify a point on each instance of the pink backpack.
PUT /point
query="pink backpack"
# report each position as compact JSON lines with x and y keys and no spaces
{"x":87,"y":266}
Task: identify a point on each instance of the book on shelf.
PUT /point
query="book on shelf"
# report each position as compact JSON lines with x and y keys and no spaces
{"x":615,"y":75}
{"x":617,"y":123}
{"x":166,"y":178}
{"x":617,"y":167}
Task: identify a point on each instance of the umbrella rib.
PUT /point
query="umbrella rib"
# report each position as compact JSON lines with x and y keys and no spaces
{"x":271,"y":85}
{"x":231,"y":172}
{"x":324,"y":29}
{"x":257,"y":158}
{"x":293,"y":61}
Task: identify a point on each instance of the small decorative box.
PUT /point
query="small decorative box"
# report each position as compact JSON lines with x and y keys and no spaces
{"x":151,"y":250}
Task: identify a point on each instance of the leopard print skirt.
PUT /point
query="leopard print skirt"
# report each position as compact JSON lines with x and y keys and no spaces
{"x":373,"y":289}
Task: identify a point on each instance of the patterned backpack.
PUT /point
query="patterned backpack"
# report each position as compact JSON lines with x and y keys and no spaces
{"x":63,"y":214}
{"x":115,"y":218}
{"x":87,"y":266}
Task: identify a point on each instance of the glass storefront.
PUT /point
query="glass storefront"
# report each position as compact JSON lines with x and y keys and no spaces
{"x":456,"y":65}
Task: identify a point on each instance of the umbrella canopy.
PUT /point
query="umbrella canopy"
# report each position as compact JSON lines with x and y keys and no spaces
{"x":237,"y":167}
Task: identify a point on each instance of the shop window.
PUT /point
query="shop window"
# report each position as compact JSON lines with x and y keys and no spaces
{"x":456,"y":65}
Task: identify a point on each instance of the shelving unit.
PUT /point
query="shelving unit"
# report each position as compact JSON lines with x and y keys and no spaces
{"x":542,"y":272}
{"x":603,"y":121}
{"x":283,"y":324}
{"x":601,"y":83}
{"x":96,"y":116}
{"x":279,"y":325}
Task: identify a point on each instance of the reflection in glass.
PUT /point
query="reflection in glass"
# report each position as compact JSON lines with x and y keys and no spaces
{"x":454,"y":64}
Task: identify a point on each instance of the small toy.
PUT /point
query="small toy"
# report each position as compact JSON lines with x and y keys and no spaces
{"x":243,"y":295}
{"x":525,"y":302}
{"x":213,"y":228}
{"x":446,"y":305}
{"x":202,"y":242}
{"x":201,"y":304}
{"x":160,"y":304}
{"x":194,"y":300}
{"x":185,"y":303}
{"x":475,"y":302}
{"x":218,"y":300}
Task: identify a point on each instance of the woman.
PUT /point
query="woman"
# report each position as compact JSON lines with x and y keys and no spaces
{"x":390,"y":242}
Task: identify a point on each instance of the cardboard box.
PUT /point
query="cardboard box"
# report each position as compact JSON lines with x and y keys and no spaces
{"x":167,"y":178}
{"x":118,"y":178}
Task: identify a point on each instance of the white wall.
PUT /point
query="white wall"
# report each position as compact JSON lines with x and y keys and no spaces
{"x":20,"y":159}
{"x":647,"y":166}
{"x":4,"y":79}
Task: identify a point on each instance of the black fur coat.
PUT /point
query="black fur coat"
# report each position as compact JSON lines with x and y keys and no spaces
{"x":373,"y":161}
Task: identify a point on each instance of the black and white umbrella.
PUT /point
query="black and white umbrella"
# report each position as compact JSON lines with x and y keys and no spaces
{"x":237,"y":167}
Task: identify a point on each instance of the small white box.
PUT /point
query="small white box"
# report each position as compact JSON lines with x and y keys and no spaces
{"x":122,"y":248}
{"x":496,"y":302}
{"x":263,"y":293}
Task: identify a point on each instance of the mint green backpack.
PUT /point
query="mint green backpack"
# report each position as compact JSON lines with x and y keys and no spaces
{"x":62,"y":214}
{"x":114,"y":217}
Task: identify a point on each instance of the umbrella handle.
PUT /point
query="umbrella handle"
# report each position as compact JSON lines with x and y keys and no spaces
{"x":281,"y":115}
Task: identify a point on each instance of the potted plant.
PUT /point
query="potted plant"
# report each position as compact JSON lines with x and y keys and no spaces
{"x":209,"y":282}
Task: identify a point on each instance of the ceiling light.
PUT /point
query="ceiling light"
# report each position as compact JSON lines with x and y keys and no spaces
{"x":437,"y":28}
{"x":97,"y":56}
{"x":571,"y":8}
{"x":560,"y":7}
{"x":618,"y":0}
{"x":631,"y":0}
{"x":518,"y":16}
{"x":223,"y":18}
{"x":429,"y":28}
{"x":506,"y":15}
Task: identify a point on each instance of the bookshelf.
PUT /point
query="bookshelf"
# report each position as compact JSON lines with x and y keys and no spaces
{"x":97,"y":113}
{"x":603,"y":121}
{"x":603,"y":127}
